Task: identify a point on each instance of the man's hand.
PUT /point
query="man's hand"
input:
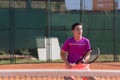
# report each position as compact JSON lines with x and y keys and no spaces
{"x":68,"y":65}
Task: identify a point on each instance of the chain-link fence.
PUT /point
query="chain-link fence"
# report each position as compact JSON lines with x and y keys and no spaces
{"x":28,"y":26}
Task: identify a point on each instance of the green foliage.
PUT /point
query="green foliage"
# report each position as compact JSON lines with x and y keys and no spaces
{"x":3,"y":52}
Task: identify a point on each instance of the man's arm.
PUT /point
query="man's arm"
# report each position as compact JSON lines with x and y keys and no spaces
{"x":63,"y":57}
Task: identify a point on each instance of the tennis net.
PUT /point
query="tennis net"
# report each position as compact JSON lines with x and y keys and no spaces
{"x":58,"y":74}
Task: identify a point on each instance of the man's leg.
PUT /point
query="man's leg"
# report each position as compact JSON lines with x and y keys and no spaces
{"x":69,"y":78}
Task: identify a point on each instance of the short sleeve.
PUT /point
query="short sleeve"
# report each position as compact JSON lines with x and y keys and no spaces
{"x":65,"y":46}
{"x":88,"y":44}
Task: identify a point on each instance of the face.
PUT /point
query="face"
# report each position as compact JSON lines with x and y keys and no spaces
{"x":78,"y":30}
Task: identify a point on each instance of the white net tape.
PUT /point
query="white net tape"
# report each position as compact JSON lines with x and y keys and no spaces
{"x":56,"y":73}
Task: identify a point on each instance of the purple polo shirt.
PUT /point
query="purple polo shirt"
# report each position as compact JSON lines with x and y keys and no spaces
{"x":75,"y":49}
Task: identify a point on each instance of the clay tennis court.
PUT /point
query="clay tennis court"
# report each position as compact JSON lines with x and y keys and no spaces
{"x":96,"y":65}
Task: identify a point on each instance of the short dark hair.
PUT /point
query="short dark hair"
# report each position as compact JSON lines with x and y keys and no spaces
{"x":75,"y":24}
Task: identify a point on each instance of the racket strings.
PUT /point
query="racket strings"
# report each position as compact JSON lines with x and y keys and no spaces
{"x":91,"y":56}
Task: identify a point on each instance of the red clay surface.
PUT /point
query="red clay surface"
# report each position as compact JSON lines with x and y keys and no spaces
{"x":97,"y":65}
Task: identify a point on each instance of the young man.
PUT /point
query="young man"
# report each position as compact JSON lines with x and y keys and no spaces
{"x":75,"y":47}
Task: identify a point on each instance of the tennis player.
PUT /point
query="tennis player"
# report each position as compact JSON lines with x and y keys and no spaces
{"x":73,"y":48}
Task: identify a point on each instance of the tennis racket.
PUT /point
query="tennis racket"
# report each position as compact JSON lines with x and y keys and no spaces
{"x":90,"y":56}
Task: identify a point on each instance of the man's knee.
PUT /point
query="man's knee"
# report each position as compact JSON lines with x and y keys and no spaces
{"x":91,"y":78}
{"x":68,"y":78}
